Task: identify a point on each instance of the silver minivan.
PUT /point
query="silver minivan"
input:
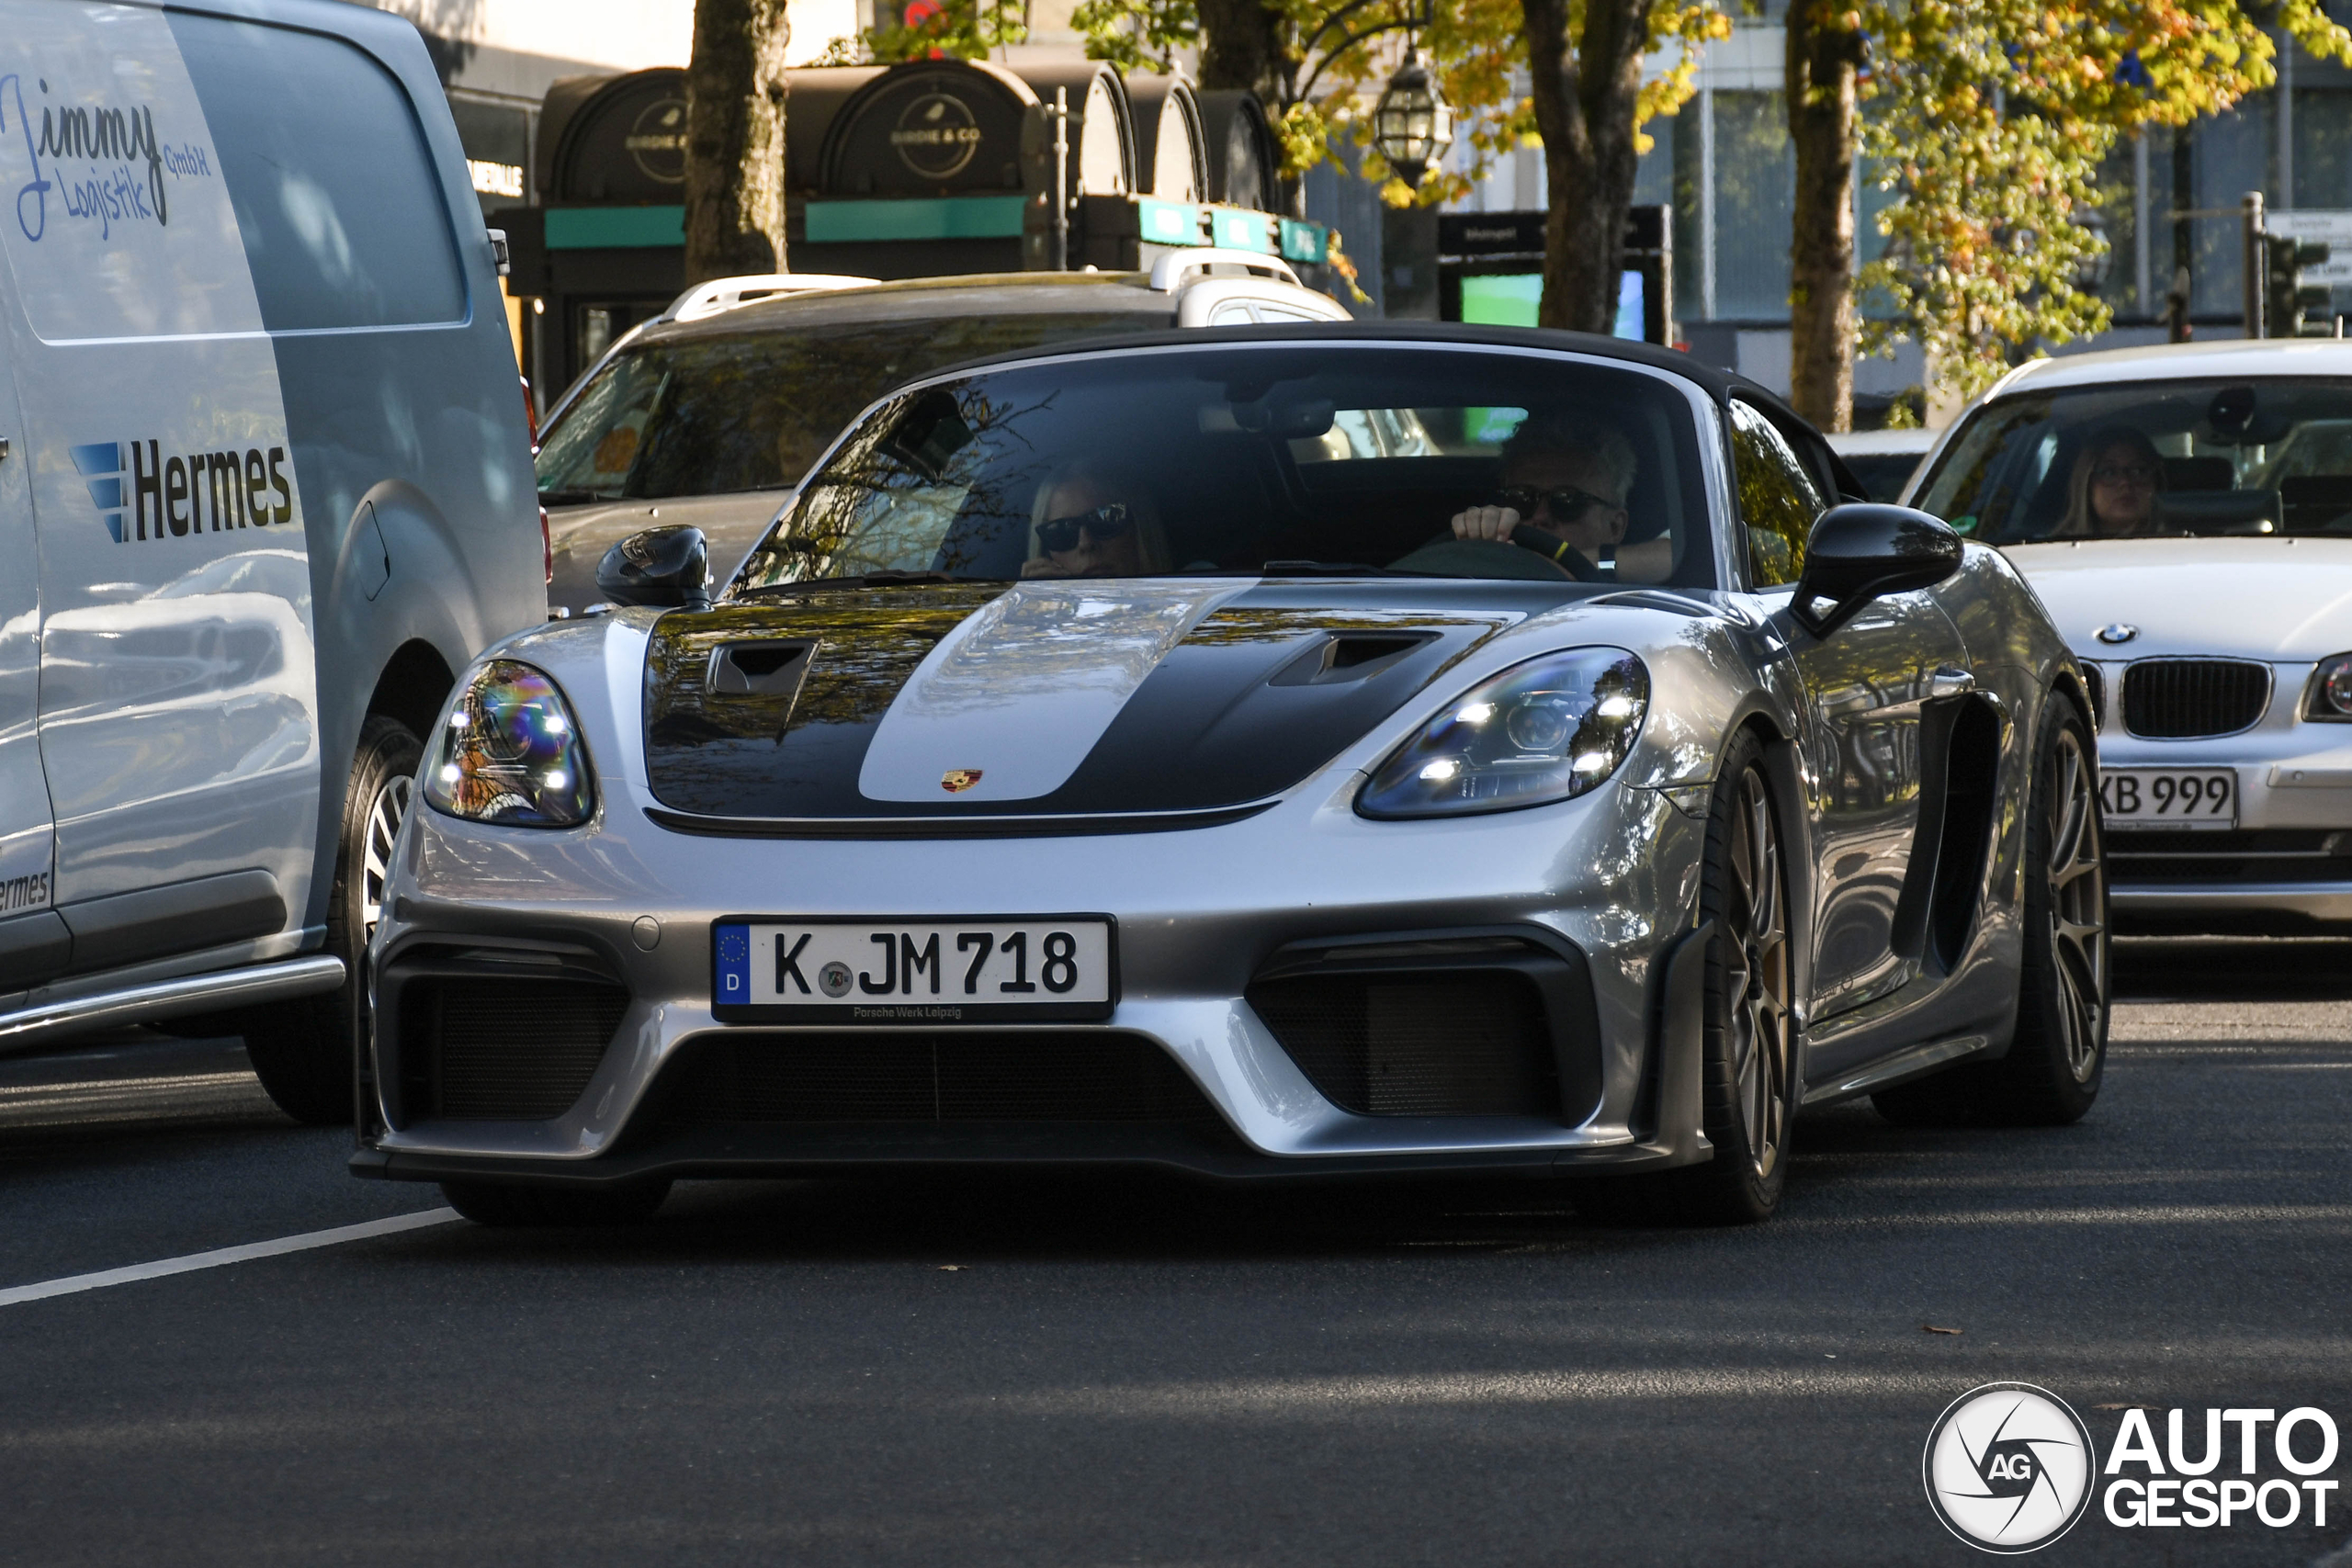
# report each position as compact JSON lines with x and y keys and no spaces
{"x":265,"y":484}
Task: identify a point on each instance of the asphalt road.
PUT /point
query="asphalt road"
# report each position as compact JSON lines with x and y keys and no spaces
{"x":1150,"y":1371}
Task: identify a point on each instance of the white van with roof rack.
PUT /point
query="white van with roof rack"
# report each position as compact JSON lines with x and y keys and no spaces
{"x":265,"y":485}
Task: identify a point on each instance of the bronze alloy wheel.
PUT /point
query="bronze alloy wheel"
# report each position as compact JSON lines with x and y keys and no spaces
{"x":2074,"y":870}
{"x":1755,"y":991}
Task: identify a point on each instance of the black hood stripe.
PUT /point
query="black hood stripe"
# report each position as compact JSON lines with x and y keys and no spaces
{"x":1259,"y":695}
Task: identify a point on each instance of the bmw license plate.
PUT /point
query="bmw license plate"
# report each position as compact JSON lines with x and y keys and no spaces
{"x":1058,"y":967}
{"x":2169,"y":797}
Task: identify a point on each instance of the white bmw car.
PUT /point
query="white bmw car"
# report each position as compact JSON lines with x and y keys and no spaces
{"x":2186,"y":516}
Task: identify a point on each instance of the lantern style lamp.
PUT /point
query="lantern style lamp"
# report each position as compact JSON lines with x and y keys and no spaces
{"x":1412,"y":125}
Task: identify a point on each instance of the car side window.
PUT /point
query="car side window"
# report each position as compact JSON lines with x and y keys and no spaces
{"x":1778,"y":500}
{"x":335,"y":192}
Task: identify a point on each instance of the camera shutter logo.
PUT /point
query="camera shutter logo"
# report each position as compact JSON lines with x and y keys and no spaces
{"x":2008,"y":1467}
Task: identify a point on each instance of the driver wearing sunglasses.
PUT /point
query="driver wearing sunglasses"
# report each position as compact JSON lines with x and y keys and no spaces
{"x":1569,"y":478}
{"x":1088,"y":522}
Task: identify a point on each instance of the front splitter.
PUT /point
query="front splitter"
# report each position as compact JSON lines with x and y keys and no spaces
{"x":851,"y":1150}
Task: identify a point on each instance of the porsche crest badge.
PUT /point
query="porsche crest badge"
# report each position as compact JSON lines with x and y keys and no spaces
{"x":956,"y":780}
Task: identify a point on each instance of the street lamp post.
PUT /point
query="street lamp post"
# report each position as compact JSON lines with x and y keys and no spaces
{"x":1412,"y":124}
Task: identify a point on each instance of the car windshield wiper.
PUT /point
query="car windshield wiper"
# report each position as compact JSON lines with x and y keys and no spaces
{"x":1331,"y":569}
{"x":868,"y":580}
{"x":574,"y":497}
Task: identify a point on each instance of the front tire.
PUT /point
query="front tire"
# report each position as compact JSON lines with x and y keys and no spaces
{"x":1748,"y":1061}
{"x":508,"y":1207}
{"x":306,"y":1052}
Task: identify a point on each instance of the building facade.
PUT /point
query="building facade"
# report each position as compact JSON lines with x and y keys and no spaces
{"x":1725,"y":166}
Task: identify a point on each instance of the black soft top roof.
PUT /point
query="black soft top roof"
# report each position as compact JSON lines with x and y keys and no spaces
{"x":1719,"y":384}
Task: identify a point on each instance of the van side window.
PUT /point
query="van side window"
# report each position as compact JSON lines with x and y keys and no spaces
{"x":338,"y":200}
{"x":1778,"y":500}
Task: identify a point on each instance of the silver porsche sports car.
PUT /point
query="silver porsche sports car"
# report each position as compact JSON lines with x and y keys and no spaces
{"x":1305,"y":750}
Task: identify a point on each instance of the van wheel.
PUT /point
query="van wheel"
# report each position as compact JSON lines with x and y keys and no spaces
{"x":509,"y":1206}
{"x":306,"y":1051}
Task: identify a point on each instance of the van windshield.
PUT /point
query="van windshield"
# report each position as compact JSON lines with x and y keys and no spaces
{"x":715,"y":415}
{"x":2152,"y":459}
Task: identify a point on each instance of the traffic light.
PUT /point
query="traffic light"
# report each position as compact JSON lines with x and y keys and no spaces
{"x":2286,"y":296}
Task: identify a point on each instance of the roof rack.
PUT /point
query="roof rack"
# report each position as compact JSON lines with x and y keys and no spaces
{"x":1174,"y":267}
{"x":726,"y":293}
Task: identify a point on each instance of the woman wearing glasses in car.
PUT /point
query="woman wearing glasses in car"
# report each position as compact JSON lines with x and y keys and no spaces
{"x":2112,"y":493}
{"x":1089,"y":521}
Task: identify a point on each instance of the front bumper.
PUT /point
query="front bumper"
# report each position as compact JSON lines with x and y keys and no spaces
{"x":1606,"y":885}
{"x":2287,"y":866}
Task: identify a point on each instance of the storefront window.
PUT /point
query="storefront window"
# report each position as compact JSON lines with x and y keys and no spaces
{"x":1754,"y":192}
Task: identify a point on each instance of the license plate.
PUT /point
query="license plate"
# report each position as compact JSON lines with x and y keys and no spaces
{"x":2169,"y":797}
{"x":905,"y":971}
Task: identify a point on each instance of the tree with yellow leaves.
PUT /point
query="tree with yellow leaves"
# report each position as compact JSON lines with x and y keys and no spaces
{"x":1316,"y":64}
{"x":1988,"y":121}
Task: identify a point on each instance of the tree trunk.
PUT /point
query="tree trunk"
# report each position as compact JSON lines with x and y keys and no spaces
{"x":1250,"y":46}
{"x":735,"y":139}
{"x":1824,"y":51}
{"x":1245,"y":44}
{"x":1585,"y":92}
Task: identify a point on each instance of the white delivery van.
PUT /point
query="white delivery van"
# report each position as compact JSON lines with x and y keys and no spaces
{"x":265,"y":485}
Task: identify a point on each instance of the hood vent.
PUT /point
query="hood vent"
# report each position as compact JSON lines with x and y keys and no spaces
{"x":1349,"y":656}
{"x":772,"y":669}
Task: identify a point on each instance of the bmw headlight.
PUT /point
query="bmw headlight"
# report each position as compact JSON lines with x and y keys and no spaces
{"x":511,"y":753}
{"x":2330,"y":697}
{"x":1549,"y":730}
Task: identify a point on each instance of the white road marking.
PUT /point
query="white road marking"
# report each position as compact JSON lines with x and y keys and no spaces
{"x":223,"y":1256}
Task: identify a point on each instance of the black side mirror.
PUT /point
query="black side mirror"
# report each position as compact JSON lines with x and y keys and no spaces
{"x":1861,"y":550}
{"x":666,"y":569}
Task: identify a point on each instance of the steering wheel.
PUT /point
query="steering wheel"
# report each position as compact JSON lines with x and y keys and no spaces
{"x":1558,"y":551}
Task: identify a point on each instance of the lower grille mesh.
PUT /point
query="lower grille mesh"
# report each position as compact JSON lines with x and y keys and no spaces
{"x":2274,"y":854}
{"x":1406,"y":1045}
{"x":1064,"y":1076}
{"x":2176,"y":699}
{"x":517,"y":1050}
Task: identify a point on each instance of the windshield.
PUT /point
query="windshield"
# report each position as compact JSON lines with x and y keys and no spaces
{"x":1261,"y":458}
{"x":2152,"y":459}
{"x":714,"y":415}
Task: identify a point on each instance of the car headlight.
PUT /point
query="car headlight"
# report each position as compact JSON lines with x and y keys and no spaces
{"x":2330,"y":701}
{"x":1549,"y":730}
{"x":511,"y":753}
